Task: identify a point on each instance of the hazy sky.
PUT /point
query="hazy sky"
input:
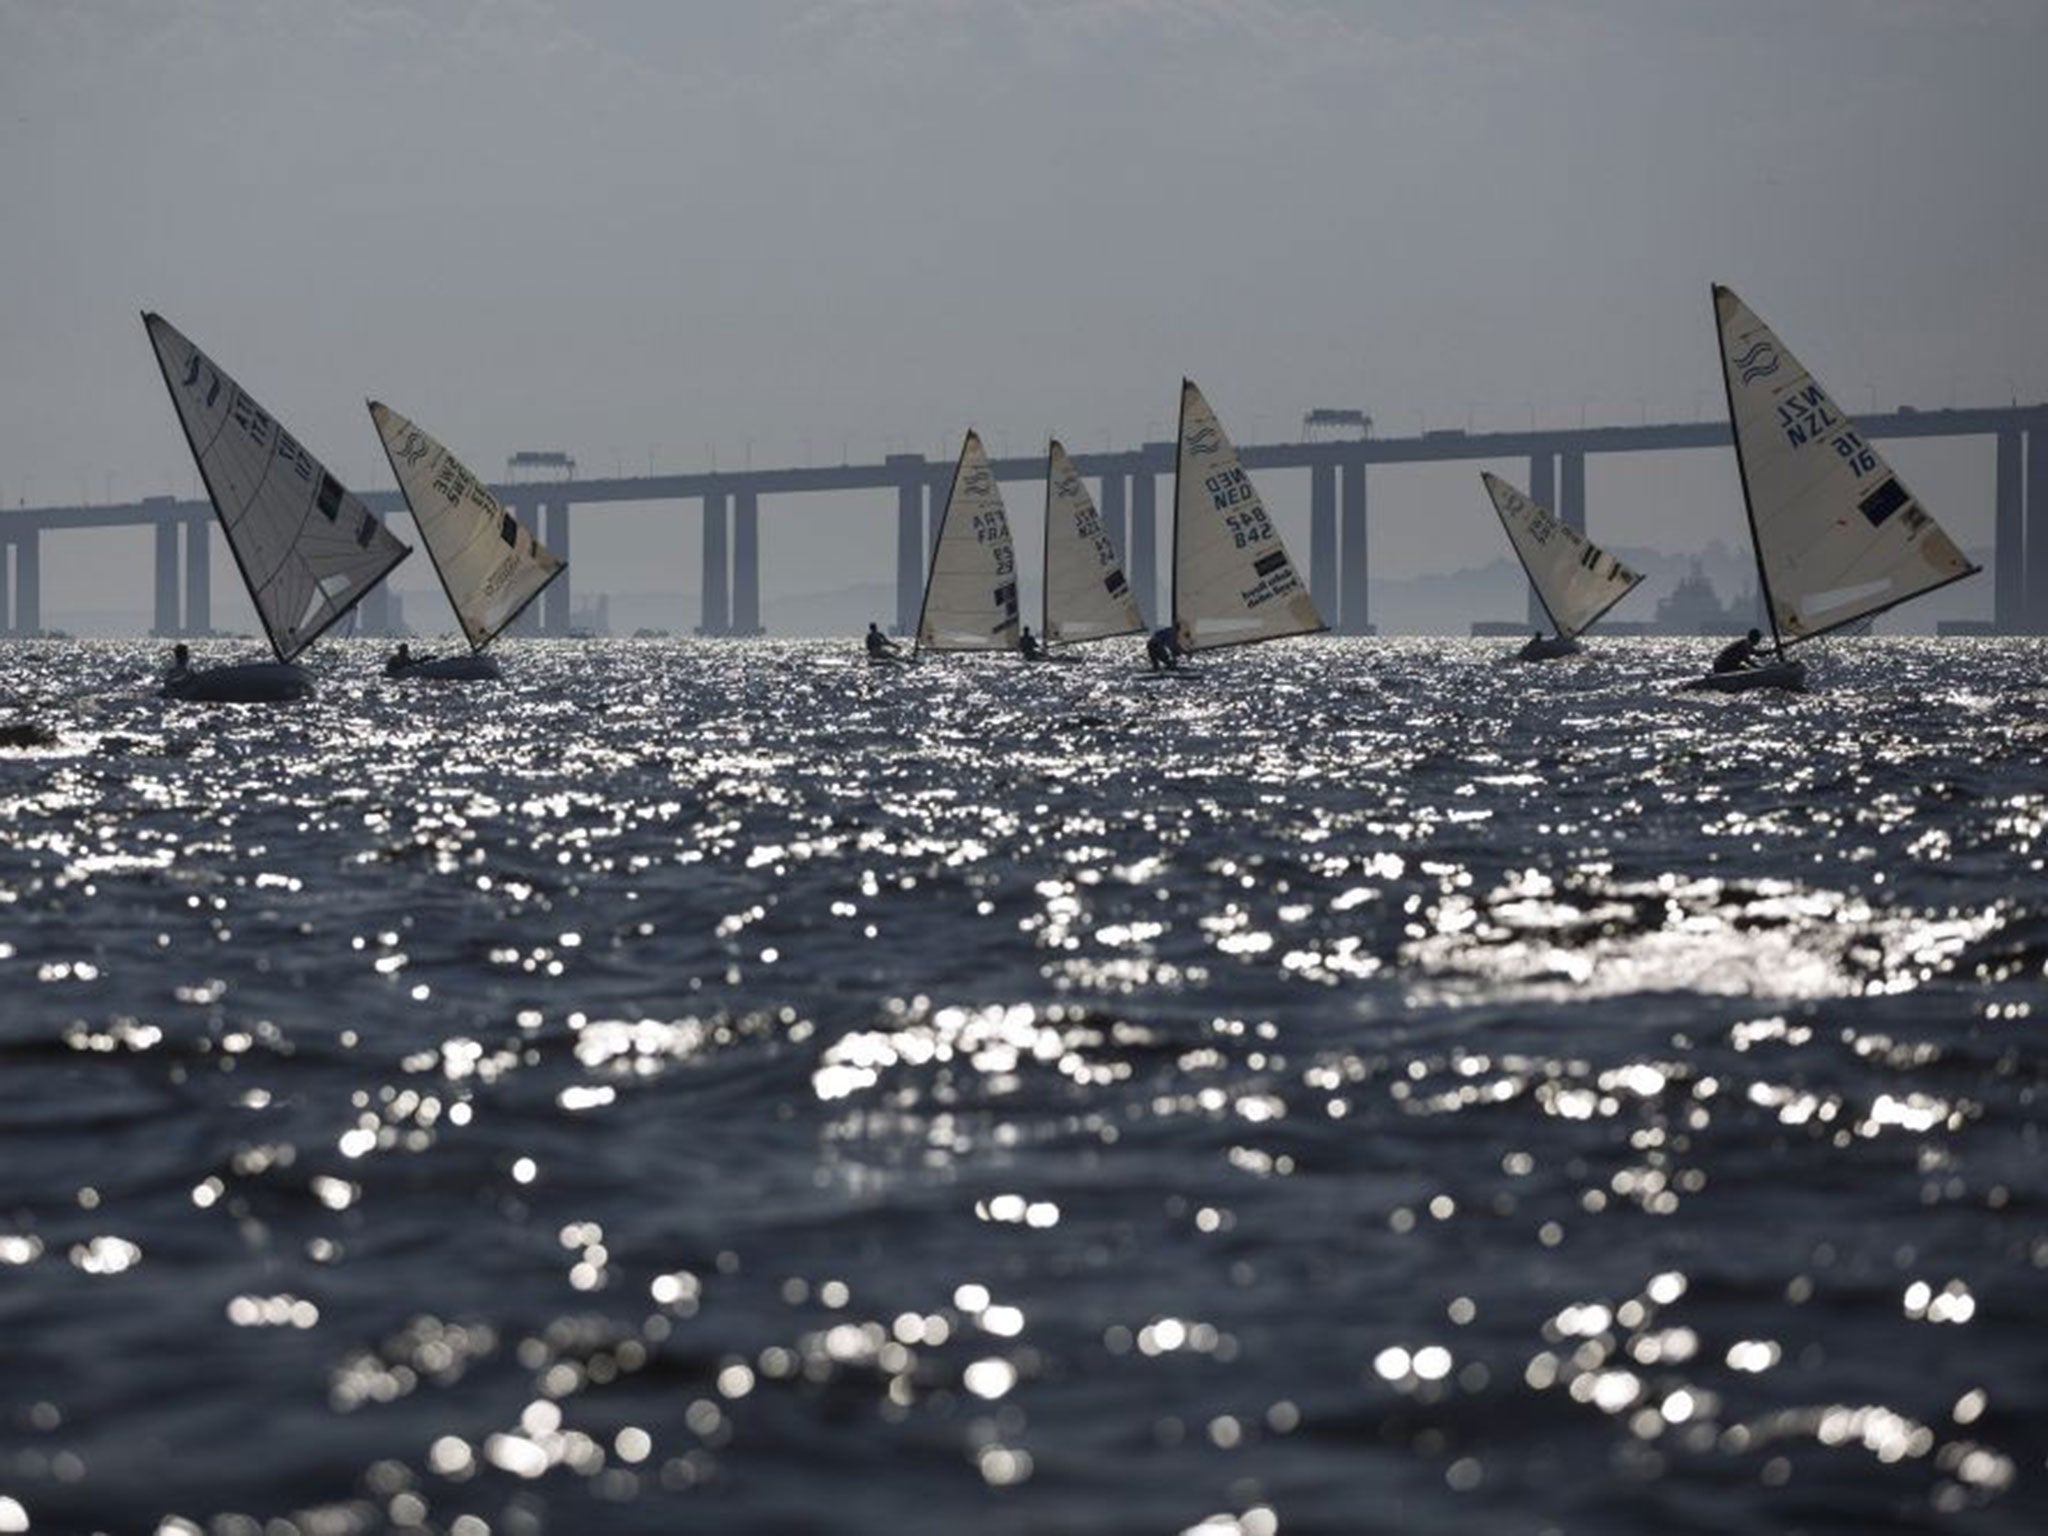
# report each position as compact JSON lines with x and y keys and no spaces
{"x":634,"y":228}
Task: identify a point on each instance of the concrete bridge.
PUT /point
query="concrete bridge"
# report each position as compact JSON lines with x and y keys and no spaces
{"x":1128,"y":495}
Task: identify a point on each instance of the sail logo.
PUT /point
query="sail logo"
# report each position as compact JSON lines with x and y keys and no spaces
{"x":977,"y":484}
{"x":415,"y":448}
{"x":1759,"y":362}
{"x":192,"y":378}
{"x":1205,"y":440}
{"x":1069,"y":487}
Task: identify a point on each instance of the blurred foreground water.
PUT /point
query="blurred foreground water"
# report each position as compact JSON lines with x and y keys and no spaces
{"x":1364,"y":1086}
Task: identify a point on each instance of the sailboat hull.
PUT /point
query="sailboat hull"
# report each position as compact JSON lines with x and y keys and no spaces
{"x":477,"y":668}
{"x":1548,"y":648}
{"x":1788,"y":675}
{"x":254,"y":682}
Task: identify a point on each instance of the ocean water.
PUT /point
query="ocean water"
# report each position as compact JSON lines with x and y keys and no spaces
{"x":1365,"y":1086}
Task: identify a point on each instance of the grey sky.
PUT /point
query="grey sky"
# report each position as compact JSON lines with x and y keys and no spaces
{"x":630,"y":227}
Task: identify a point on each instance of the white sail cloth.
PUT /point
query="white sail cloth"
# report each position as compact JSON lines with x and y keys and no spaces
{"x":489,"y":565}
{"x":1575,"y":579}
{"x":307,"y":549}
{"x":970,"y":594}
{"x":1838,"y":535}
{"x":1233,"y":583}
{"x":1087,"y":596}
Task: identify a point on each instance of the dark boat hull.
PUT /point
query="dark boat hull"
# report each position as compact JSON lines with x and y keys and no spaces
{"x":252,"y":682}
{"x":450,"y":669}
{"x":1548,"y":648}
{"x":1789,"y":675}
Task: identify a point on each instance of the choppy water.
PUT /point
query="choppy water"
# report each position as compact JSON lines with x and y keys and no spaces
{"x":1368,"y":1087}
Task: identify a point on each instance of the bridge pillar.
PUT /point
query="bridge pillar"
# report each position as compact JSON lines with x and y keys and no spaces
{"x":717,"y":579}
{"x":6,"y":589}
{"x":2009,"y":606}
{"x":1116,"y":515}
{"x":28,"y":582}
{"x":937,"y":492}
{"x":1353,"y":616}
{"x":1543,"y":491}
{"x":198,"y":577}
{"x":1143,"y":569}
{"x":555,"y":603}
{"x":746,"y":563}
{"x":1322,"y":539}
{"x":373,"y":613}
{"x":2037,"y":529}
{"x":1571,"y":491}
{"x":167,"y":624}
{"x":909,"y":543}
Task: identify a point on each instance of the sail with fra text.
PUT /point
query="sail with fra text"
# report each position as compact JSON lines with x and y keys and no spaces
{"x":1233,"y":583}
{"x":1087,"y":596}
{"x":1575,"y":579}
{"x":1838,"y":535}
{"x":970,"y":593}
{"x":308,"y":550}
{"x":489,"y":565}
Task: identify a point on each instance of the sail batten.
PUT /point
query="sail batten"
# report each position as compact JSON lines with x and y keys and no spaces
{"x":491,"y":567}
{"x":307,"y":549}
{"x":1086,"y":596}
{"x":1233,"y":582}
{"x":970,"y":592}
{"x":1838,"y":536}
{"x":1575,"y":579}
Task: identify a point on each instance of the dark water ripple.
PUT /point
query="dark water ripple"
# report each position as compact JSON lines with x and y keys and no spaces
{"x":1367,"y":1087}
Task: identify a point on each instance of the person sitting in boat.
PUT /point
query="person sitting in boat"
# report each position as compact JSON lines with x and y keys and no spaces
{"x":879,"y":644}
{"x":1739,"y":655}
{"x":1163,"y":649}
{"x":399,"y":660}
{"x":180,"y":670}
{"x":1028,"y":645}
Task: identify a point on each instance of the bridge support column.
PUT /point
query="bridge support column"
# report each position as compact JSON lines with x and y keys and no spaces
{"x":198,"y":578}
{"x":374,"y":617}
{"x":1115,"y":512}
{"x":27,"y":618}
{"x":1143,"y":568}
{"x":746,"y":563}
{"x":1543,"y":491}
{"x":717,"y":578}
{"x":2037,"y":528}
{"x":936,"y":493}
{"x":1354,"y":615}
{"x":2010,"y":613}
{"x":1322,"y":540}
{"x":558,"y":616}
{"x":6,"y":589}
{"x":910,"y":553}
{"x":1571,"y":491}
{"x":167,"y":624}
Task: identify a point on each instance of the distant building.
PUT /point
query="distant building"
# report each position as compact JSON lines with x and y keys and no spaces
{"x":1693,"y":607}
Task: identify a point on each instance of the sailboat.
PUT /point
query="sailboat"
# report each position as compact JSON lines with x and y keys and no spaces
{"x":1575,"y":579}
{"x":1233,"y":583}
{"x":1838,"y":536}
{"x":970,"y":592}
{"x":1086,"y":596}
{"x":308,"y":551}
{"x":489,"y":566}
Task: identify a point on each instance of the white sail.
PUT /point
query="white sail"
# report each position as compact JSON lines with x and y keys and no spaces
{"x":307,"y":549}
{"x":1232,"y":581}
{"x":970,"y":596}
{"x":1086,"y":594}
{"x":1838,"y":535}
{"x":1575,"y":579}
{"x":489,"y":565}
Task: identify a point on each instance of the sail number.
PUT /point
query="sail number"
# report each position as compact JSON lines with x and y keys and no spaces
{"x":990,"y":529}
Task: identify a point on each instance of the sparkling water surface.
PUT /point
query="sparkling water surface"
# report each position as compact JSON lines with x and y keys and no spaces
{"x":1363,"y":1086}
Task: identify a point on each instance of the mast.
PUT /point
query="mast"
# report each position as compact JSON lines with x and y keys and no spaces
{"x":938,"y":538}
{"x":1180,"y":448}
{"x":1052,"y":446}
{"x":1756,"y":546}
